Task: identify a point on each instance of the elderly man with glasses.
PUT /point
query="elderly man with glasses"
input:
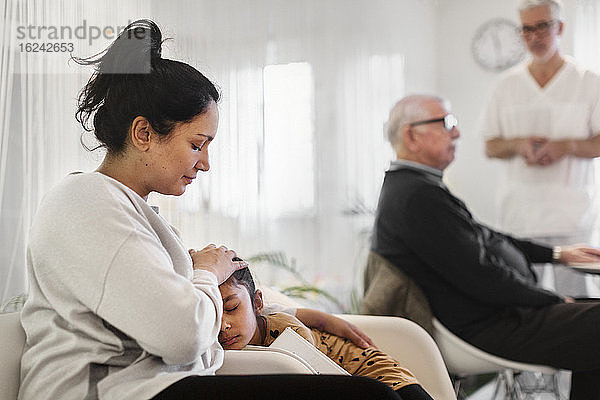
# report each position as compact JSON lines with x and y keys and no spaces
{"x":479,"y":282}
{"x":543,"y":121}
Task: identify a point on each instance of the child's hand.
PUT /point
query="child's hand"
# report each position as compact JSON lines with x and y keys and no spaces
{"x":332,"y":324}
{"x":217,"y":260}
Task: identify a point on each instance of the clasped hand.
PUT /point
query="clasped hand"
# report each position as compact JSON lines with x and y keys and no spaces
{"x":537,"y":150}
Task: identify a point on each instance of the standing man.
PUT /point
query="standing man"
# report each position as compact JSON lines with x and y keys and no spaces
{"x":543,"y":119}
{"x":479,"y":282}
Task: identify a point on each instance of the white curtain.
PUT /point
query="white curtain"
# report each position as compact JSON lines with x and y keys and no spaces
{"x":586,"y":45}
{"x":40,"y":139}
{"x":360,"y":53}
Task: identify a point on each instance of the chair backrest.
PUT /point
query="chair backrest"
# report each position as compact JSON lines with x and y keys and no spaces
{"x":464,"y":359}
{"x":412,"y":347}
{"x":390,"y":291}
{"x":12,"y":341}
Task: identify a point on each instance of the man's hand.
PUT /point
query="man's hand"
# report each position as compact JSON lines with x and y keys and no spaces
{"x":217,"y":260}
{"x":579,"y":253}
{"x":332,"y":324}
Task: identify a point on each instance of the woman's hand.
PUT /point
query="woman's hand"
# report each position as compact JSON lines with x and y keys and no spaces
{"x":217,"y":260}
{"x":332,"y":324}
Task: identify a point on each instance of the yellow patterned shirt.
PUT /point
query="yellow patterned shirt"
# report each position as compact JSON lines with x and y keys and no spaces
{"x":369,"y":362}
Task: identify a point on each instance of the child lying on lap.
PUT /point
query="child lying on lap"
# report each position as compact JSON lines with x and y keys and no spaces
{"x":243,"y":324}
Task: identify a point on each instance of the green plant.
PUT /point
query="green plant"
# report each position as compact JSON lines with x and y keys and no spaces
{"x":355,"y":300}
{"x":14,"y":304}
{"x":305,"y":290}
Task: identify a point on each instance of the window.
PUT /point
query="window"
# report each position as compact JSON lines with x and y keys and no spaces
{"x":288,"y":184}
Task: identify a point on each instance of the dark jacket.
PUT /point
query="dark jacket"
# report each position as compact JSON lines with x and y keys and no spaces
{"x":470,"y":273}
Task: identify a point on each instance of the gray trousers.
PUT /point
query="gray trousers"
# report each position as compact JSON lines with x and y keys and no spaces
{"x":564,"y":336}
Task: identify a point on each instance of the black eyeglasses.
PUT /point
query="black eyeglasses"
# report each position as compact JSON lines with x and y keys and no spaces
{"x":542,"y":28}
{"x":450,"y":122}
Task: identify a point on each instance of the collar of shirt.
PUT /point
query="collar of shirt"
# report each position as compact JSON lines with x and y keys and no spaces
{"x":400,"y":164}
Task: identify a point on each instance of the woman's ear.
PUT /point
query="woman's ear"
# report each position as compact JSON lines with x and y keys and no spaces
{"x":140,"y":133}
{"x":258,"y":302}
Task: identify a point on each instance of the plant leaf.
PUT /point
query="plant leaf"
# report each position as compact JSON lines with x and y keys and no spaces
{"x":14,"y":304}
{"x":304,"y":290}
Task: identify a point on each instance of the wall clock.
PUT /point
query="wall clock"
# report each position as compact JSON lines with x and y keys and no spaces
{"x":497,"y":44}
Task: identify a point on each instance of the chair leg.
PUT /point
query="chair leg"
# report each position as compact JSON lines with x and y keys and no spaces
{"x":500,"y":382}
{"x":556,"y":386}
{"x":464,"y":384}
{"x":517,"y":392}
{"x":541,"y":385}
{"x":509,"y":387}
{"x":512,"y":388}
{"x":505,"y":386}
{"x":457,"y":384}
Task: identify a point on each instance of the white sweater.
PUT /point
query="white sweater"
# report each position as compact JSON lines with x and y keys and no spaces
{"x":115,"y":310}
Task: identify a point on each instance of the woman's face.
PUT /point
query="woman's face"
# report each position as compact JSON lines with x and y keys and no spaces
{"x":174,"y":161}
{"x":238,"y":326}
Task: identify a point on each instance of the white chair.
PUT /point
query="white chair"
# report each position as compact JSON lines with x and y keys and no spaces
{"x":412,"y":347}
{"x":12,"y":341}
{"x":402,"y":339}
{"x":463,"y":359}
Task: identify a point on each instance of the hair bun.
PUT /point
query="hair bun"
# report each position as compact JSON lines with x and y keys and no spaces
{"x":134,"y":51}
{"x":146,"y":36}
{"x":155,"y":40}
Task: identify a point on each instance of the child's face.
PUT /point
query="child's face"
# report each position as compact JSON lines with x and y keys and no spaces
{"x":238,"y":326}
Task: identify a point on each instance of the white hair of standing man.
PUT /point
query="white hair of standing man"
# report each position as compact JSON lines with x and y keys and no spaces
{"x":406,"y":111}
{"x":556,"y":7}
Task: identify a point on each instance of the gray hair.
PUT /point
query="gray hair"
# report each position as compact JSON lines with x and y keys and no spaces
{"x":409,"y":109}
{"x":556,"y":7}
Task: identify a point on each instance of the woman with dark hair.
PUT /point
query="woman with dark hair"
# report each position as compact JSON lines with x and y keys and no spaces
{"x":117,"y":308}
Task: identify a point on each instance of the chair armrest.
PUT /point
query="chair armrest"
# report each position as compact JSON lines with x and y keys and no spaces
{"x":463,"y":358}
{"x":262,"y":361}
{"x":11,"y":347}
{"x":412,"y":347}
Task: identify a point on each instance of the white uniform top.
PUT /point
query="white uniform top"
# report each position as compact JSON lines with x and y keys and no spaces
{"x":555,"y":200}
{"x":115,"y":310}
